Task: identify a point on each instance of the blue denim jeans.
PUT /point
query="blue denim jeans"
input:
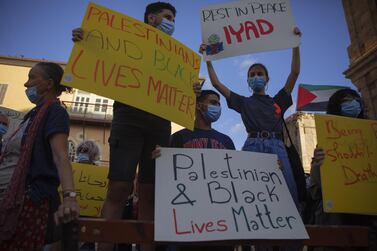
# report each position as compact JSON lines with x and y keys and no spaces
{"x":275,"y":146}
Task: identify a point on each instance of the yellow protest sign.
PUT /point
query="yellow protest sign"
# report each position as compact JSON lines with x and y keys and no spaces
{"x":134,"y":63}
{"x":91,"y":187}
{"x":349,"y":172}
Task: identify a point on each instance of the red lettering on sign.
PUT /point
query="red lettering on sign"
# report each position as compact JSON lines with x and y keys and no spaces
{"x":199,"y":228}
{"x":248,"y":28}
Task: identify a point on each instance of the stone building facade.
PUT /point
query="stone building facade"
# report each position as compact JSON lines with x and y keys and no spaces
{"x":361,"y":17}
{"x":301,"y":128}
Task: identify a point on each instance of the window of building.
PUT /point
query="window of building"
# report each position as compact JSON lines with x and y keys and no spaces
{"x":81,"y":104}
{"x":105,"y":103}
{"x":97,"y":105}
{"x":101,"y":105}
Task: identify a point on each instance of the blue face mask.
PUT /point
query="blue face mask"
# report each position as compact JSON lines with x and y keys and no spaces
{"x":213,"y":113}
{"x":351,"y":108}
{"x":3,"y":129}
{"x":166,"y":26}
{"x":257,"y":83}
{"x":32,"y":94}
{"x":82,"y":157}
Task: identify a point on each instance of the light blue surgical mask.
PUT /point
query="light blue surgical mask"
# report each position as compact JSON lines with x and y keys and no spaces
{"x":166,"y":26}
{"x":351,"y":108}
{"x":213,"y":113}
{"x":3,"y":129}
{"x":82,"y":157}
{"x":32,"y":94}
{"x":257,"y":83}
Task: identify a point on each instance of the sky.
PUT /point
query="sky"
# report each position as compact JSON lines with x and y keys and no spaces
{"x":41,"y":29}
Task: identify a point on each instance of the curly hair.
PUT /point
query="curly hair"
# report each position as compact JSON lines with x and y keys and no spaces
{"x":335,"y":101}
{"x":89,"y":147}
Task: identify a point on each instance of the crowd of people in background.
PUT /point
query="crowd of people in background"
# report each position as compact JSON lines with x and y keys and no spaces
{"x":34,"y":159}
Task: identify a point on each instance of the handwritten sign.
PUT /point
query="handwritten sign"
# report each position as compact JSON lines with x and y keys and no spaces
{"x":15,"y":118}
{"x":349,"y":172}
{"x":207,"y":194}
{"x":91,"y":186}
{"x":244,"y":27}
{"x":136,"y":64}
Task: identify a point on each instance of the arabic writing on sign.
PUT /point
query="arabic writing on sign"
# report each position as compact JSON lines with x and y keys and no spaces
{"x":91,"y":186}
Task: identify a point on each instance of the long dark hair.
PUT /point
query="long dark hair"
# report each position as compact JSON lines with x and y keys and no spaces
{"x":335,"y":101}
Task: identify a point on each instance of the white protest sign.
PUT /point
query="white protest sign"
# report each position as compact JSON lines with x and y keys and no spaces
{"x":208,"y":194}
{"x":245,"y":27}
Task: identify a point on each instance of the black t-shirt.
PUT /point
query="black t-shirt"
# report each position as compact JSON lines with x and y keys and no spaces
{"x":261,"y":112}
{"x":129,"y":115}
{"x":201,"y":139}
{"x":42,"y":178}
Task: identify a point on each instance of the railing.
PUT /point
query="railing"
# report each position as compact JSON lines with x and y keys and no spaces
{"x":131,"y":231}
{"x":89,"y":111}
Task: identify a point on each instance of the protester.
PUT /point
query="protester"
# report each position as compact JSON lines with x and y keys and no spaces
{"x":344,"y":102}
{"x":261,"y":114}
{"x":33,"y":164}
{"x":87,"y":152}
{"x":134,"y":134}
{"x":208,"y":111}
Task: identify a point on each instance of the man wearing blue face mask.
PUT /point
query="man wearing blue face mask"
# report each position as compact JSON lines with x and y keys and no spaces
{"x":208,"y":110}
{"x":134,"y":134}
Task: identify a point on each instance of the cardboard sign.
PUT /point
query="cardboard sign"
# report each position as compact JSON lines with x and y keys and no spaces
{"x":208,"y":194}
{"x":134,"y":63}
{"x":91,"y":186}
{"x":245,"y":27}
{"x":349,"y":171}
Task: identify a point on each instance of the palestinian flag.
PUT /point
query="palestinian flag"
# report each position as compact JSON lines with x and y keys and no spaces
{"x":315,"y":97}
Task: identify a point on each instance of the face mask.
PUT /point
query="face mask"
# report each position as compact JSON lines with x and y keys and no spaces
{"x":213,"y":113}
{"x":351,"y":108}
{"x":32,"y":94}
{"x":3,"y":129}
{"x":257,"y":83}
{"x":166,"y":26}
{"x":82,"y":157}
